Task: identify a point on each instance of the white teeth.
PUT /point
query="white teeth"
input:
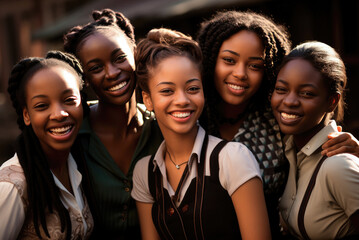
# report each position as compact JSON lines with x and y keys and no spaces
{"x":181,"y":114}
{"x":289,"y":116}
{"x":61,"y":130}
{"x":118,"y":86}
{"x":235,"y":87}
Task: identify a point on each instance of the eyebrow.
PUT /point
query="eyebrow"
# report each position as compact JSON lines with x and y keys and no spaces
{"x":237,"y":54}
{"x":45,"y":96}
{"x":302,"y":85}
{"x":97,"y":59}
{"x":171,"y":83}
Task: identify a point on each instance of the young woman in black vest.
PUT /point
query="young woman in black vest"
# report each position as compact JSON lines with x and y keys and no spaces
{"x":195,"y":186}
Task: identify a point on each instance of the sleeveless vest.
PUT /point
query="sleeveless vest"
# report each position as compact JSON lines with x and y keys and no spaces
{"x":206,"y":211}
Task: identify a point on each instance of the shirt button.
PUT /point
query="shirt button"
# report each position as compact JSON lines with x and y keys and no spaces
{"x":127,"y":189}
{"x":293,"y":197}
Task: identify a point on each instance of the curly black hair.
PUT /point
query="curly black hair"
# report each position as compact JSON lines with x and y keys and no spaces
{"x":102,"y":18}
{"x":43,"y":194}
{"x":222,"y":26}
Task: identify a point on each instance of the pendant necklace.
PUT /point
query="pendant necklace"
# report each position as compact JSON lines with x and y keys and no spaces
{"x":176,"y":165}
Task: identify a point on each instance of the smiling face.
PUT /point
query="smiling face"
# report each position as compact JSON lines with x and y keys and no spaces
{"x":108,"y":63}
{"x":301,"y":100}
{"x":53,"y":108}
{"x":176,"y":95}
{"x":239,"y":68}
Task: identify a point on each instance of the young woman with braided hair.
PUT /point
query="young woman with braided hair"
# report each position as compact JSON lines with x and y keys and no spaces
{"x":241,"y":54}
{"x":117,"y":132}
{"x":42,"y":192}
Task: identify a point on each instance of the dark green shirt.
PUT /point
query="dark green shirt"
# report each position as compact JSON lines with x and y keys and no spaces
{"x":117,"y":216}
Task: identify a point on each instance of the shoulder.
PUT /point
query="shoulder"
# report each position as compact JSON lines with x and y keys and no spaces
{"x":340,"y":172}
{"x":335,"y":165}
{"x":11,"y":171}
{"x":12,"y":175}
{"x":142,"y":164}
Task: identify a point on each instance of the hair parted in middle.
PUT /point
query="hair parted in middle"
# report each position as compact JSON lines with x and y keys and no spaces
{"x":160,"y":44}
{"x":221,"y":27}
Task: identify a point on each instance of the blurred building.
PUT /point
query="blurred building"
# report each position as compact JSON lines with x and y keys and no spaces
{"x":32,"y":27}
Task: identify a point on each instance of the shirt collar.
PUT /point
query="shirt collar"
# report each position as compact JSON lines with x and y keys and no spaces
{"x":196,"y":150}
{"x":74,"y":174}
{"x":315,"y":142}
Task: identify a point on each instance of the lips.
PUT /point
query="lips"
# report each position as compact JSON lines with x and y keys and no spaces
{"x":61,"y":131}
{"x":236,"y":87}
{"x":290,"y":118}
{"x":181,"y":114}
{"x":118,"y":86}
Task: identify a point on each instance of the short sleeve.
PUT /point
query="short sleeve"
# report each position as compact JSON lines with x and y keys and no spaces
{"x":342,"y":178}
{"x":140,"y":191}
{"x":237,"y":165}
{"x":11,"y":211}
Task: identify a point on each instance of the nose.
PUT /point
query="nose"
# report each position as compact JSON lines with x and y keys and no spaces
{"x":112,"y":71}
{"x":58,"y":113}
{"x":291,"y":100}
{"x":181,"y":98}
{"x":240,"y":71}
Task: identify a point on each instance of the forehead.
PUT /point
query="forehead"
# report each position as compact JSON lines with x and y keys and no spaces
{"x":52,"y":78}
{"x":174,"y":68}
{"x":244,"y":40}
{"x":105,"y":37}
{"x":298,"y":71}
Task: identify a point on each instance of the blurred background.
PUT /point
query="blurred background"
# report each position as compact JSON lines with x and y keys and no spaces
{"x":32,"y":27}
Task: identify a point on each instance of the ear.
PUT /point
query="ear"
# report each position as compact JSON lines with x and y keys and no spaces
{"x":147,"y":100}
{"x":333,"y":101}
{"x":26,"y":117}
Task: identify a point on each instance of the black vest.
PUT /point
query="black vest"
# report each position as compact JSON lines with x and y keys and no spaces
{"x":206,"y":211}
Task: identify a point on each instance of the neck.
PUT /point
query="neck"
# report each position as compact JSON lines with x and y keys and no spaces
{"x":300,"y":140}
{"x":184,"y":149}
{"x":58,"y":162}
{"x":109,"y":116}
{"x":228,"y":111}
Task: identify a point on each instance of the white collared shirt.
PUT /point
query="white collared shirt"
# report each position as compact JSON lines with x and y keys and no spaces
{"x":12,"y":208}
{"x":237,"y":165}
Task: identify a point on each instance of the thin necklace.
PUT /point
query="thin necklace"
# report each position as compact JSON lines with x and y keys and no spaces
{"x":177,"y":165}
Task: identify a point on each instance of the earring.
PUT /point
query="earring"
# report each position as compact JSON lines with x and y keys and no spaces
{"x":149,"y":114}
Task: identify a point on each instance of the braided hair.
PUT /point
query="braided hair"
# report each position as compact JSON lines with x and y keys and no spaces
{"x":43,"y":194}
{"x":105,"y":18}
{"x":222,"y":26}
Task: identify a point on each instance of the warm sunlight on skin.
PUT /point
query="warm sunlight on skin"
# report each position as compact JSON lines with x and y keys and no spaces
{"x":53,"y":108}
{"x":176,"y":95}
{"x":239,"y":68}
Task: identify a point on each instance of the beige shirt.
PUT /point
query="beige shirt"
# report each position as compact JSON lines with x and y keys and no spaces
{"x":16,"y":223}
{"x":335,"y":196}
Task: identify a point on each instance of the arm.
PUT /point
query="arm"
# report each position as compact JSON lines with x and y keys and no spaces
{"x":11,"y":211}
{"x":248,"y":201}
{"x":148,"y":230}
{"x":341,"y":142}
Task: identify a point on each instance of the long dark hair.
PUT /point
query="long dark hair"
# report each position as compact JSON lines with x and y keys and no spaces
{"x":42,"y":192}
{"x":222,"y":26}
